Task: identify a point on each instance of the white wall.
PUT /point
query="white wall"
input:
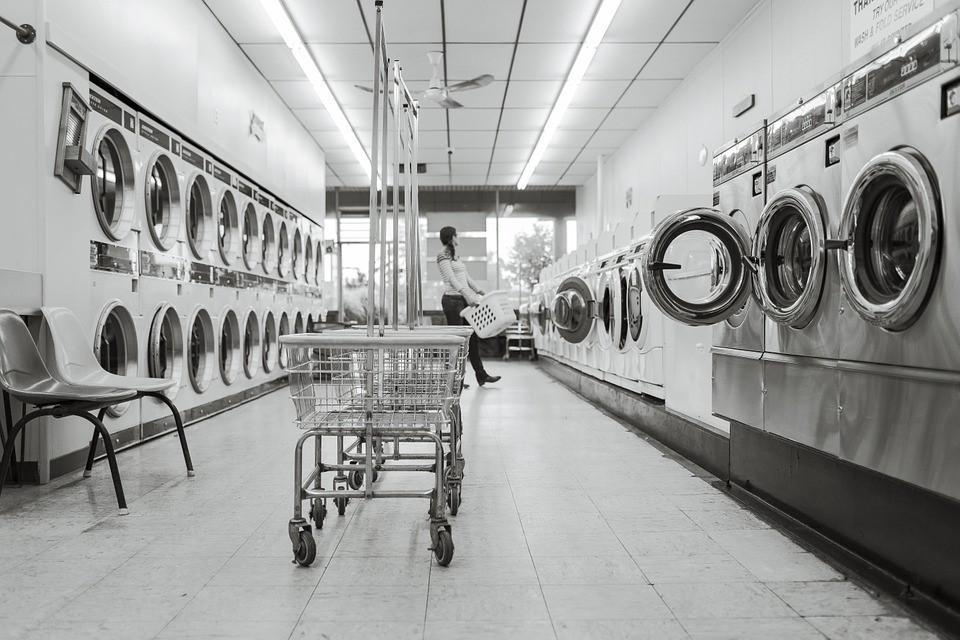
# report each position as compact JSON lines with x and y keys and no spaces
{"x":781,"y":50}
{"x":175,"y":58}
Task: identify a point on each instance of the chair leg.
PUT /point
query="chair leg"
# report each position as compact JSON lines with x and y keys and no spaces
{"x":8,"y":416}
{"x":11,"y":445}
{"x":93,"y":445}
{"x":179,"y":421}
{"x":111,"y":458}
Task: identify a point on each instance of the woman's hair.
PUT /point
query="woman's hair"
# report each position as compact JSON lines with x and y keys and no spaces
{"x":446,"y":237}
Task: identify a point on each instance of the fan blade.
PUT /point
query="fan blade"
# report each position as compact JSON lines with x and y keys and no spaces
{"x":475,"y":83}
{"x":449,"y":103}
{"x":363,"y":88}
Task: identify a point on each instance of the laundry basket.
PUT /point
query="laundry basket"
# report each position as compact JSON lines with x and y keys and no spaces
{"x":492,"y":314}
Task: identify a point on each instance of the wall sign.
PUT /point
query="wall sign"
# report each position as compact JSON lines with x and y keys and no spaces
{"x":874,"y":22}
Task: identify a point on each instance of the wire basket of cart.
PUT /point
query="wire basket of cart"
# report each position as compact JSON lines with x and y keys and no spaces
{"x":353,"y":451}
{"x":348,"y":385}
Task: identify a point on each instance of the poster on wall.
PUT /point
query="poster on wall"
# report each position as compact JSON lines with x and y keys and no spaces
{"x":874,"y":22}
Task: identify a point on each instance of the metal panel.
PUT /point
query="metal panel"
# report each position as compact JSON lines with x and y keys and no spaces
{"x":905,"y":427}
{"x":800,"y":401}
{"x":738,"y":387}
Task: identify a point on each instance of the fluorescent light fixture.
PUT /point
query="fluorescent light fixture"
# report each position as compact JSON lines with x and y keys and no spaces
{"x":281,"y":20}
{"x":601,"y":21}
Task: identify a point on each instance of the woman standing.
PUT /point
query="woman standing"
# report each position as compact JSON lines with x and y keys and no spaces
{"x":460,"y":290}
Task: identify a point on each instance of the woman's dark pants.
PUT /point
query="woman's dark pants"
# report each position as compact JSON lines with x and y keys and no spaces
{"x":452,"y":306}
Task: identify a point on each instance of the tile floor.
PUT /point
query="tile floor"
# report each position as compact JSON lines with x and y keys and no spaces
{"x":571,"y":527}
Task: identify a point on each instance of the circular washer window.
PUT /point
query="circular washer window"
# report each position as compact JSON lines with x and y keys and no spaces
{"x":250,"y":237}
{"x":634,"y":306}
{"x":200,"y":226}
{"x":297,"y":257}
{"x":283,"y":329}
{"x":268,"y":244}
{"x":310,"y":269}
{"x":228,"y":227}
{"x":892,"y":220}
{"x":200,"y":361}
{"x":623,"y":323}
{"x":283,"y":251}
{"x":251,"y":344}
{"x":115,"y":345}
{"x":113,"y":184}
{"x":163,"y":201}
{"x":270,"y":344}
{"x":229,"y":346}
{"x":165,"y":349}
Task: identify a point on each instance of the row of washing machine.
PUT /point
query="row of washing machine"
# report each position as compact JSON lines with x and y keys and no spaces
{"x":194,"y":271}
{"x":828,"y":266}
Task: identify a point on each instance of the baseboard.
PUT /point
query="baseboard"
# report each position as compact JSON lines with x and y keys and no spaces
{"x":27,"y":472}
{"x":895,"y":534}
{"x":138,"y":434}
{"x":700,"y":443}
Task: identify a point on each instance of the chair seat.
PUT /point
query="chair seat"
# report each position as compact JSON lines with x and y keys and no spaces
{"x":102,"y":378}
{"x":50,"y":391}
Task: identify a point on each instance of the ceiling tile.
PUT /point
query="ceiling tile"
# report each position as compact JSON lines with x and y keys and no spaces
{"x":627,"y":117}
{"x":552,"y":168}
{"x":274,"y":61}
{"x":509,"y":180}
{"x":643,"y":21}
{"x":533,"y":93}
{"x":469,"y":169}
{"x":518,"y":139}
{"x":470,"y":180}
{"x":345,"y":169}
{"x":315,"y":119}
{"x":553,"y":21}
{"x":432,"y":155}
{"x":583,"y":167}
{"x":474,"y":119}
{"x":506,"y":168}
{"x":432,"y":120}
{"x":505,"y":154}
{"x":414,"y":62}
{"x":544,"y":61}
{"x":297,"y":94}
{"x":613,"y":138}
{"x":340,"y":156}
{"x":675,"y":60}
{"x":618,"y":60}
{"x":648,"y":93}
{"x":348,"y":95}
{"x":541,"y":179}
{"x":560,"y":154}
{"x":245,"y":20}
{"x":466,"y":61}
{"x":588,"y":119}
{"x":523,"y":119}
{"x":407,"y":21}
{"x":344,"y":62}
{"x":574,"y":180}
{"x":468,"y":154}
{"x":474,"y":139}
{"x":488,"y":21}
{"x":327,"y":21}
{"x":329,"y":139}
{"x":436,"y":139}
{"x":355,"y":181}
{"x":428,"y":180}
{"x":570,"y":138}
{"x":360,"y":119}
{"x":710,"y":20}
{"x":599,"y":93}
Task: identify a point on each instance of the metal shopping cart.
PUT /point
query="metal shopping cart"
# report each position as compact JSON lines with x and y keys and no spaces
{"x":352,"y":452}
{"x":345,"y":384}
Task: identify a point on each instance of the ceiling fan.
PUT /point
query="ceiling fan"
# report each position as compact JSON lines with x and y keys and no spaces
{"x":439,"y":94}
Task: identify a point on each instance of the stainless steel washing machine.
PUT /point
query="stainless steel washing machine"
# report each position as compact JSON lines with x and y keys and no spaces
{"x":797,"y":282}
{"x":900,"y":310}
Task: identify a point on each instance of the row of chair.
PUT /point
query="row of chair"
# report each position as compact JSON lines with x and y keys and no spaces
{"x":75,"y":385}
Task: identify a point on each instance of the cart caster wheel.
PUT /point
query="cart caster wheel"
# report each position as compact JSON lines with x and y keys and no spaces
{"x":376,"y":475}
{"x":306,"y":553}
{"x":318,"y":511}
{"x":443,"y":550}
{"x":453,"y":499}
{"x":341,"y":505}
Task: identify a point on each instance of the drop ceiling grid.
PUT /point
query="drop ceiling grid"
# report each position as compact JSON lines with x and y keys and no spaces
{"x":648,"y":50}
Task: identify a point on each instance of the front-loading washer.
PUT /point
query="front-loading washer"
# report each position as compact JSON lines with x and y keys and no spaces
{"x":900,"y":274}
{"x":797,"y":284}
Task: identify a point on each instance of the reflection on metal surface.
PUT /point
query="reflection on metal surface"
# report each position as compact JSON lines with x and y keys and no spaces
{"x":110,"y":257}
{"x":791,"y":248}
{"x":161,"y":265}
{"x":738,"y":386}
{"x":892,"y":221}
{"x":801,"y":400}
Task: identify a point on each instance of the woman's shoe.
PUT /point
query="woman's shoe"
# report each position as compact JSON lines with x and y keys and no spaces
{"x":488,"y":379}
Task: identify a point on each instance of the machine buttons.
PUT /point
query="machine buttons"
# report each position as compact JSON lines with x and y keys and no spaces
{"x":758,"y":183}
{"x":950,"y":102}
{"x":831,"y":152}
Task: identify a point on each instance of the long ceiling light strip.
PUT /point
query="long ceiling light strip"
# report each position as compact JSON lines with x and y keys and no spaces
{"x":281,"y":20}
{"x":601,"y":21}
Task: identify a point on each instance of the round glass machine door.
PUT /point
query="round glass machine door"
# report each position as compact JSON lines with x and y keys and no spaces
{"x":113,"y":184}
{"x":250,"y":237}
{"x":695,"y":267}
{"x":165,"y":349}
{"x":607,"y":307}
{"x":115,"y":346}
{"x":200,"y":361}
{"x":200,"y":225}
{"x":229,"y":351}
{"x":633,"y":304}
{"x":228,"y":228}
{"x":574,"y":309}
{"x":163,"y":201}
{"x":892,"y":224}
{"x":790,"y":247}
{"x":622,"y":330}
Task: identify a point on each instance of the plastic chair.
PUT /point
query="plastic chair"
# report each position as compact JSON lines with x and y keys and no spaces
{"x":24,"y":376}
{"x":75,"y":364}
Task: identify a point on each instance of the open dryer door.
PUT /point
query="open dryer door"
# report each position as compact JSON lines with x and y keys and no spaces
{"x":697,"y":267}
{"x":574,"y":310}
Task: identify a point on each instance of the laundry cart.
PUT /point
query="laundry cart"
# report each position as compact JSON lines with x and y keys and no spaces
{"x":346,"y":384}
{"x":352,"y":452}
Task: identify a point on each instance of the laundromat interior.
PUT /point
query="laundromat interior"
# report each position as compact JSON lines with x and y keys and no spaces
{"x":459,"y":319}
